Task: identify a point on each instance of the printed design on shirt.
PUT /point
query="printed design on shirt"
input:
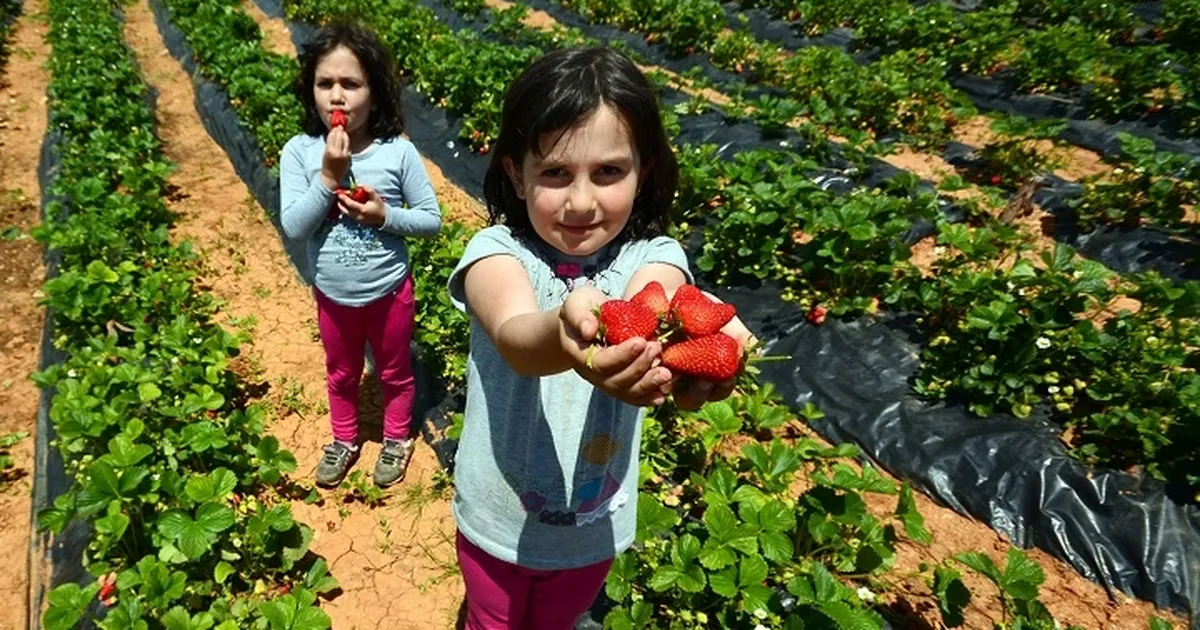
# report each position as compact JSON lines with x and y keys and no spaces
{"x":355,"y":242}
{"x":593,"y":499}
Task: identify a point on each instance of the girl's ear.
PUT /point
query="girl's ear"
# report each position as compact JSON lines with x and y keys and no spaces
{"x":514,"y":176}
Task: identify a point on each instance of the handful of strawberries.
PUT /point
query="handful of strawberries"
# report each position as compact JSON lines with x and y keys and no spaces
{"x":689,"y":324}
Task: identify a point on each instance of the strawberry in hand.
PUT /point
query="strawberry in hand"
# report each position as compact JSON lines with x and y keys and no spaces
{"x":696,"y":314}
{"x":654,"y":297}
{"x":621,"y":320}
{"x":716,"y":358}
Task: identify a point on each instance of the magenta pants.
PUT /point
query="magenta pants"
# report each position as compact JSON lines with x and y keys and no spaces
{"x":386,"y":324}
{"x":505,"y":596}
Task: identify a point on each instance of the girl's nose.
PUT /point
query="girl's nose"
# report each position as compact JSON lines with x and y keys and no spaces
{"x":336,"y":94}
{"x":581,"y":198}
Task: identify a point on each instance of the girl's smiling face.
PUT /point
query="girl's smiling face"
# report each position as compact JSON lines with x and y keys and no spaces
{"x":580,"y":193}
{"x":341,"y":83}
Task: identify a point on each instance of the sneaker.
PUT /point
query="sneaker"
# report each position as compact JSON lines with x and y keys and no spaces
{"x":393,"y":461}
{"x":337,"y":460}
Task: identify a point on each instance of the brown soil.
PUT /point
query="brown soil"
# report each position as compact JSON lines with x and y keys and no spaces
{"x":395,"y":562}
{"x":22,"y":124}
{"x":1078,"y":162}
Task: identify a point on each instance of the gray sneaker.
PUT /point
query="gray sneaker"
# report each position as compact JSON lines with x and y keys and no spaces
{"x":337,"y":460}
{"x":393,"y":461}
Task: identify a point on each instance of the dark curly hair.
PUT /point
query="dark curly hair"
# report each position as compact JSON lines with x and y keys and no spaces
{"x":383,"y":78}
{"x":556,"y":92}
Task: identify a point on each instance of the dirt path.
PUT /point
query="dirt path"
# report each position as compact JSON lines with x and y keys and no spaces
{"x":23,"y":82}
{"x":395,"y":562}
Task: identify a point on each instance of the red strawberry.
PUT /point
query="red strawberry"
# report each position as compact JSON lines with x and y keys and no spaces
{"x":816,"y":315}
{"x":716,"y":358}
{"x":700,"y":317}
{"x":654,"y":297}
{"x":996,"y":179}
{"x":621,"y":320}
{"x":337,"y":118}
{"x":687,"y":293}
{"x":357,"y":193}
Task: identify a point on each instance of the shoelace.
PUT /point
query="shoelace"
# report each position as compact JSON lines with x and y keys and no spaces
{"x":392,"y":455}
{"x":334,"y":455}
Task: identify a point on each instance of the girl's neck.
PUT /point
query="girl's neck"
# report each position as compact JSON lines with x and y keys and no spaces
{"x":361,"y":141}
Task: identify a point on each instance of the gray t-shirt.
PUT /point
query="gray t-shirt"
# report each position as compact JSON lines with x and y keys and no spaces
{"x":547,"y":468}
{"x":356,"y":264}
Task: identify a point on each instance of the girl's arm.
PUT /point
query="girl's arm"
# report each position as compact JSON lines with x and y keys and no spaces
{"x":303,"y":203}
{"x":422,"y":216}
{"x":538,"y":343}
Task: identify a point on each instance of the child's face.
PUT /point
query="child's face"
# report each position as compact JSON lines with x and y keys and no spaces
{"x":341,"y":83}
{"x":580,"y":194}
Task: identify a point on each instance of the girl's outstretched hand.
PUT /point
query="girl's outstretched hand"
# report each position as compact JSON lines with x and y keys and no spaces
{"x":690,"y":394}
{"x":336,"y":159}
{"x":371,"y":212}
{"x":627,"y":371}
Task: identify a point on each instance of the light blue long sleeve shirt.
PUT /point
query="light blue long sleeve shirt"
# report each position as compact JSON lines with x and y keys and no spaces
{"x":355,"y":264}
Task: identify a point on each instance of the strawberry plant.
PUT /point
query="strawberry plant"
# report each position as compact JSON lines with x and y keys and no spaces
{"x":1017,"y":585}
{"x":227,"y":44}
{"x":1014,"y":159}
{"x":170,"y":467}
{"x":6,"y":463}
{"x":724,"y":542}
{"x":1145,"y":185}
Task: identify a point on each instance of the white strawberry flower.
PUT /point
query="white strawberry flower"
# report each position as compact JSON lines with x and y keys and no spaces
{"x":1042,"y":343}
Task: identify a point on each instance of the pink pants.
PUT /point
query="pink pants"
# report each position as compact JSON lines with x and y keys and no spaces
{"x":387,"y":324}
{"x":505,"y":596}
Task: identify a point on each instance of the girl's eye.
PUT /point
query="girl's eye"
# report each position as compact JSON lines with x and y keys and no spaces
{"x":554,"y":172}
{"x":610,"y":171}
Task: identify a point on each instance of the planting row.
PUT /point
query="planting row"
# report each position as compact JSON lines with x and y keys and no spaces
{"x":1120,"y":64}
{"x":1009,"y":329}
{"x":169,"y":467}
{"x":666,"y":481}
{"x":733,"y":547}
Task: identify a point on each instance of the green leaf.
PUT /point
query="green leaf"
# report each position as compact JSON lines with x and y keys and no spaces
{"x":97,"y":271}
{"x":685,"y":550}
{"x":981,"y":564}
{"x":214,"y":518}
{"x":1160,"y":624}
{"x":753,"y":571}
{"x":716,"y":555}
{"x":846,"y":617}
{"x":124,"y":453}
{"x":724,"y":583}
{"x":825,"y":586}
{"x":953,"y":596}
{"x":214,"y":486}
{"x":776,"y":516}
{"x":148,"y":392}
{"x":721,"y":416}
{"x":914,"y":523}
{"x":756,"y":597}
{"x":776,"y":546}
{"x":68,"y":603}
{"x":222,"y":571}
{"x":665,"y":577}
{"x":720,"y":521}
{"x":1022,"y":576}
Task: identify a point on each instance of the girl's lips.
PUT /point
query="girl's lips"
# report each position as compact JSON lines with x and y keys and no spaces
{"x":578,"y":229}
